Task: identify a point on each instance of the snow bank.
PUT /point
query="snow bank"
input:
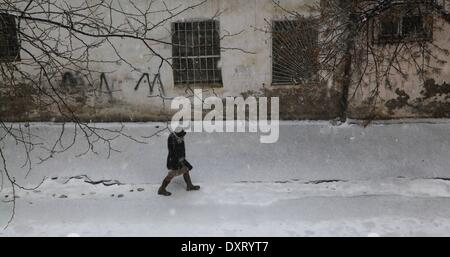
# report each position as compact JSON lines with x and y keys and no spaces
{"x":388,"y":207}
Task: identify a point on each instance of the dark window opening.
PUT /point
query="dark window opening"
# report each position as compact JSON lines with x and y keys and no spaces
{"x":404,"y":23}
{"x":294,"y":52}
{"x":389,"y":28}
{"x":413,"y":25}
{"x":196,"y":52}
{"x":9,"y":43}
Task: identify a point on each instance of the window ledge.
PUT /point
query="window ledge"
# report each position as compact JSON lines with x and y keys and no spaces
{"x":396,"y":40}
{"x":200,"y":85}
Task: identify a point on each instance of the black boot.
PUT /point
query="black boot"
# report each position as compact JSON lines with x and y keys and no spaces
{"x":162,"y":189}
{"x":190,"y":186}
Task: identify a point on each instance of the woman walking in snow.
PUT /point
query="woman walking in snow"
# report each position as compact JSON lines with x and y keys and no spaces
{"x":177,"y":163}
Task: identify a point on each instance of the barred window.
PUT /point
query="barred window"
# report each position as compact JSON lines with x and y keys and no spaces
{"x":389,"y":27}
{"x":9,"y":44}
{"x":405,"y":22}
{"x":294,"y":52}
{"x":413,"y":25}
{"x":196,"y":52}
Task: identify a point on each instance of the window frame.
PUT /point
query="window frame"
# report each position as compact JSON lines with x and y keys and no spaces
{"x":197,"y":58}
{"x":314,"y":74}
{"x":400,"y":13}
{"x":10,"y":37}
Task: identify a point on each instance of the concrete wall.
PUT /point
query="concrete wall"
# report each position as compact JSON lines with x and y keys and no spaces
{"x":246,"y":70}
{"x":245,"y":62}
{"x":245,"y":59}
{"x":417,"y":94}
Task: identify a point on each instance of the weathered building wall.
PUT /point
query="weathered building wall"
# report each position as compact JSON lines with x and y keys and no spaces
{"x":246,"y":63}
{"x":418,"y":94}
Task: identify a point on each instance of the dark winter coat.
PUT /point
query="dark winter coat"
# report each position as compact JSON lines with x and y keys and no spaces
{"x":177,"y":153}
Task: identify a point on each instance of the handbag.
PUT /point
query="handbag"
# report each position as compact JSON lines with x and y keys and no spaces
{"x":187,"y":164}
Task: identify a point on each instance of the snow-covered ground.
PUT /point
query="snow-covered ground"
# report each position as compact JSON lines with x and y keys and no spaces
{"x":318,"y":180}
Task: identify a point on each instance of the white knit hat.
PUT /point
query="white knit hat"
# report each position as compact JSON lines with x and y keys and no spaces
{"x":179,"y":131}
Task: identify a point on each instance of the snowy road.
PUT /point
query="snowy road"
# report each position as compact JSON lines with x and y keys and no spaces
{"x":395,"y":207}
{"x":387,"y":179}
{"x":305,"y":150}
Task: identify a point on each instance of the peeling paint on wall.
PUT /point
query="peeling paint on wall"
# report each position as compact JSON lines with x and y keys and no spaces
{"x":122,"y":95}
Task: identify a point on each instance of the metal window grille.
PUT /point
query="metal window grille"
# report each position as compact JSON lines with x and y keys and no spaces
{"x":389,"y":27}
{"x":413,"y":25}
{"x":405,"y":22}
{"x":9,"y":43}
{"x":196,"y":52}
{"x":294,"y":51}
